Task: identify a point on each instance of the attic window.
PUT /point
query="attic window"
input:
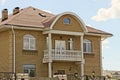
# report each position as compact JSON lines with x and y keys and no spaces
{"x":41,"y":14}
{"x":66,"y":21}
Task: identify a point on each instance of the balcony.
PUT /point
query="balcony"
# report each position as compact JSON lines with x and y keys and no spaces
{"x":62,"y":55}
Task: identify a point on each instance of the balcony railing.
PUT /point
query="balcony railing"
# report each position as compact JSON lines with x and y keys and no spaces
{"x":62,"y":55}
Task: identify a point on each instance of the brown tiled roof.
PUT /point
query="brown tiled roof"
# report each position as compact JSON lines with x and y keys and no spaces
{"x":33,"y":17}
{"x":29,"y":17}
{"x":96,"y":31}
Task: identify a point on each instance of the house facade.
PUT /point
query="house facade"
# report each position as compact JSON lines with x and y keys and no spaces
{"x":43,"y":44}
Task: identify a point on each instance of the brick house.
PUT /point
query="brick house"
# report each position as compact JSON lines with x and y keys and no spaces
{"x":43,"y":44}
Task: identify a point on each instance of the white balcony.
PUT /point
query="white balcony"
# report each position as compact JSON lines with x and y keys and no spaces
{"x":62,"y":55}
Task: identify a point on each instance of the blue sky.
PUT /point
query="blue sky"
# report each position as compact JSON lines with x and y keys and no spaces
{"x":101,"y":14}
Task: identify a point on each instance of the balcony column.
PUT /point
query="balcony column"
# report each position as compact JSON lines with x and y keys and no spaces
{"x":49,"y":56}
{"x":82,"y":56}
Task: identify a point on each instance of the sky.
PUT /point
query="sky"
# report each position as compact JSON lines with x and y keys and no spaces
{"x":100,"y":14}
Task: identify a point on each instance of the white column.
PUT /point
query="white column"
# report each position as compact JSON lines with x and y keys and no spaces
{"x":82,"y":62}
{"x":50,"y":58}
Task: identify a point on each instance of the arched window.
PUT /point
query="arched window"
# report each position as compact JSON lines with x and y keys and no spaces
{"x":66,"y":21}
{"x":87,"y":46}
{"x":29,"y":42}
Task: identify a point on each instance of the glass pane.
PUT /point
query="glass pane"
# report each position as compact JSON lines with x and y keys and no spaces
{"x":84,"y":47}
{"x":26,"y":43}
{"x":32,"y":43}
{"x":66,"y":21}
{"x":89,"y":47}
{"x":30,"y":69}
{"x":60,"y":45}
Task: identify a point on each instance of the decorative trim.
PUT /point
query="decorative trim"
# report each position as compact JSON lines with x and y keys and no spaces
{"x":30,"y":52}
{"x":71,"y":13}
{"x":63,"y":32}
{"x":22,"y":27}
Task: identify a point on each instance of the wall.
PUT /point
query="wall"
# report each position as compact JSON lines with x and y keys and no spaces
{"x":31,"y":57}
{"x":5,"y":51}
{"x":73,"y":26}
{"x":92,"y":61}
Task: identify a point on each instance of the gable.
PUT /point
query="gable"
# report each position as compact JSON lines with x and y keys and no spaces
{"x":76,"y":25}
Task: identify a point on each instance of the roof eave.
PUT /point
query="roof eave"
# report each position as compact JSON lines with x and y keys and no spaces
{"x":7,"y":26}
{"x":103,"y":36}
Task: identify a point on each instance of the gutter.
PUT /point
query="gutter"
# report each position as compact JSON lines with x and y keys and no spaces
{"x":14,"y":53}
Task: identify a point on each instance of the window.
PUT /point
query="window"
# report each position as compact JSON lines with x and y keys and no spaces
{"x":60,"y":45}
{"x":70,"y":44}
{"x":30,"y":69}
{"x":28,"y":42}
{"x":87,"y":46}
{"x":58,"y":72}
{"x":66,"y":21}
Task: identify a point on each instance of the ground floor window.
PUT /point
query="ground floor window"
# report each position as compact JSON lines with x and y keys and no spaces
{"x":60,"y":72}
{"x":30,"y":69}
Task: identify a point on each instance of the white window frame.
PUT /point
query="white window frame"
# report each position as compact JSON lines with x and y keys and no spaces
{"x":27,"y":45}
{"x":70,"y":42}
{"x":87,"y":44}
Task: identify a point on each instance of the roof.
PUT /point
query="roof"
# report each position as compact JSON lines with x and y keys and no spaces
{"x":96,"y":31}
{"x":29,"y":17}
{"x":33,"y":17}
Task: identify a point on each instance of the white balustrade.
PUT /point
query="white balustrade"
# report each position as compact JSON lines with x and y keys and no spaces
{"x":63,"y":55}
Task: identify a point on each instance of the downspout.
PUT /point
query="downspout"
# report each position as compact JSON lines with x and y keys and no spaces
{"x":14,"y":55}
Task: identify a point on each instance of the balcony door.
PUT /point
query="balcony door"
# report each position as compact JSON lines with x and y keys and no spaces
{"x":60,"y":47}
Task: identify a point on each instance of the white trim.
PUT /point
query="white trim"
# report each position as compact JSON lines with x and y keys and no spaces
{"x":14,"y":50}
{"x":49,"y":56}
{"x":71,"y":13}
{"x":22,"y":27}
{"x":63,"y":32}
{"x":102,"y":35}
{"x":29,"y":28}
{"x":83,"y":61}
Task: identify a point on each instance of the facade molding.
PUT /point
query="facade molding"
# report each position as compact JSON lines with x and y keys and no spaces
{"x":71,"y":13}
{"x":21,"y":27}
{"x":63,"y":32}
{"x":103,"y":36}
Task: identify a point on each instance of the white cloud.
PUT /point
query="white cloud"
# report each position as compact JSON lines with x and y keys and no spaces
{"x":105,"y":44}
{"x":112,"y":12}
{"x":3,"y":2}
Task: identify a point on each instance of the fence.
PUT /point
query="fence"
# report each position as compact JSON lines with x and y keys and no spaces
{"x":22,"y":76}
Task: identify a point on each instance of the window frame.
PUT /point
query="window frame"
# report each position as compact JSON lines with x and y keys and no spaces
{"x":29,"y":42}
{"x":32,"y":67}
{"x":87,"y":46}
{"x":66,"y":21}
{"x":70,"y":44}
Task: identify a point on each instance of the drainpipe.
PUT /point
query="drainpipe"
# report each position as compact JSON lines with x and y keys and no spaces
{"x":14,"y":55}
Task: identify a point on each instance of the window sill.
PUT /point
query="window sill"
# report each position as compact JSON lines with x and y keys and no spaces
{"x":88,"y":53}
{"x":30,"y":52}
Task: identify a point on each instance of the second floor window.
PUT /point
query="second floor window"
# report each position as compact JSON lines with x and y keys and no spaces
{"x":87,"y":46}
{"x":28,"y":42}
